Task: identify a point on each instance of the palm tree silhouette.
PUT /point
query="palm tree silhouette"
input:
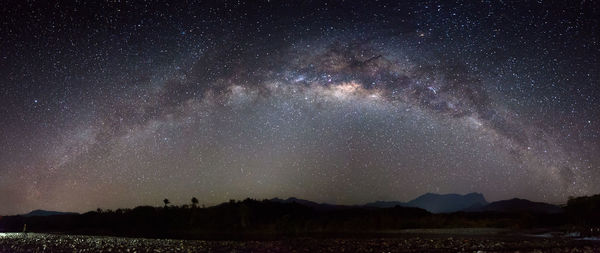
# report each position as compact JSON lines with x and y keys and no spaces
{"x":194,"y":202}
{"x":166,"y":201}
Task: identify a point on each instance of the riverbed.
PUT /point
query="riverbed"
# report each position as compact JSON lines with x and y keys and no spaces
{"x":413,"y":242}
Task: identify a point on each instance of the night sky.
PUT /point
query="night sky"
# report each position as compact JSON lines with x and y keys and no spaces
{"x":118,"y":104}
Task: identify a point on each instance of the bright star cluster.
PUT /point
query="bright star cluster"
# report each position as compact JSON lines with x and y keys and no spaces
{"x":118,"y":104}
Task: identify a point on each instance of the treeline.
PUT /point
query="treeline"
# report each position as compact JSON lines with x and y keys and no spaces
{"x":584,"y":211}
{"x":235,"y":219}
{"x":267,"y":219}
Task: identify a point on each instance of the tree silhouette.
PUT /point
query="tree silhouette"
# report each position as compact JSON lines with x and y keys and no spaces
{"x":194,"y":202}
{"x":167,"y":202}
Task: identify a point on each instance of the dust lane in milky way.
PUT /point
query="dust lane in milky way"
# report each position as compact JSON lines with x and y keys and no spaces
{"x":178,"y":101}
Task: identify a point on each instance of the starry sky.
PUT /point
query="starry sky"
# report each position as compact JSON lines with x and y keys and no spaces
{"x":117,"y":104}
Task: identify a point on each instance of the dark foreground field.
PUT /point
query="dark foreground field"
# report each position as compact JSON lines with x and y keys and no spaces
{"x":404,"y":242}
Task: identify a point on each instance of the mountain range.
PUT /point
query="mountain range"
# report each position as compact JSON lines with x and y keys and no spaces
{"x":444,"y":203}
{"x":433,"y":203}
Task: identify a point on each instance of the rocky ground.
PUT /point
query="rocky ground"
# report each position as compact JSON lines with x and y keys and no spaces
{"x":17,"y":242}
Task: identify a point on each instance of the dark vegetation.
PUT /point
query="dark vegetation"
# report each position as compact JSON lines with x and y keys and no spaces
{"x":252,"y":219}
{"x":584,"y":211}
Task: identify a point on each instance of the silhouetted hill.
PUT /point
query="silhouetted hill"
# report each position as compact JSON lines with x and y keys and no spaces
{"x":517,"y":205}
{"x":385,"y":204}
{"x":46,"y":213}
{"x":438,"y":203}
{"x":303,"y":202}
{"x":447,"y":203}
{"x":311,"y":204}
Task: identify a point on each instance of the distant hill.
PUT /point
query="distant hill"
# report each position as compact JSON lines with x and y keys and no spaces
{"x":296,"y":200}
{"x":311,"y":204}
{"x":385,"y":204}
{"x":46,"y":213}
{"x":438,"y":203}
{"x":517,"y":205}
{"x":447,"y":203}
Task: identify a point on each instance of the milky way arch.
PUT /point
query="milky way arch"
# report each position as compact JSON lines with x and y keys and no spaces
{"x":361,"y":102}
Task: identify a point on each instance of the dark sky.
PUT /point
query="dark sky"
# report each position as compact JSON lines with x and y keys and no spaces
{"x":118,"y":104}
